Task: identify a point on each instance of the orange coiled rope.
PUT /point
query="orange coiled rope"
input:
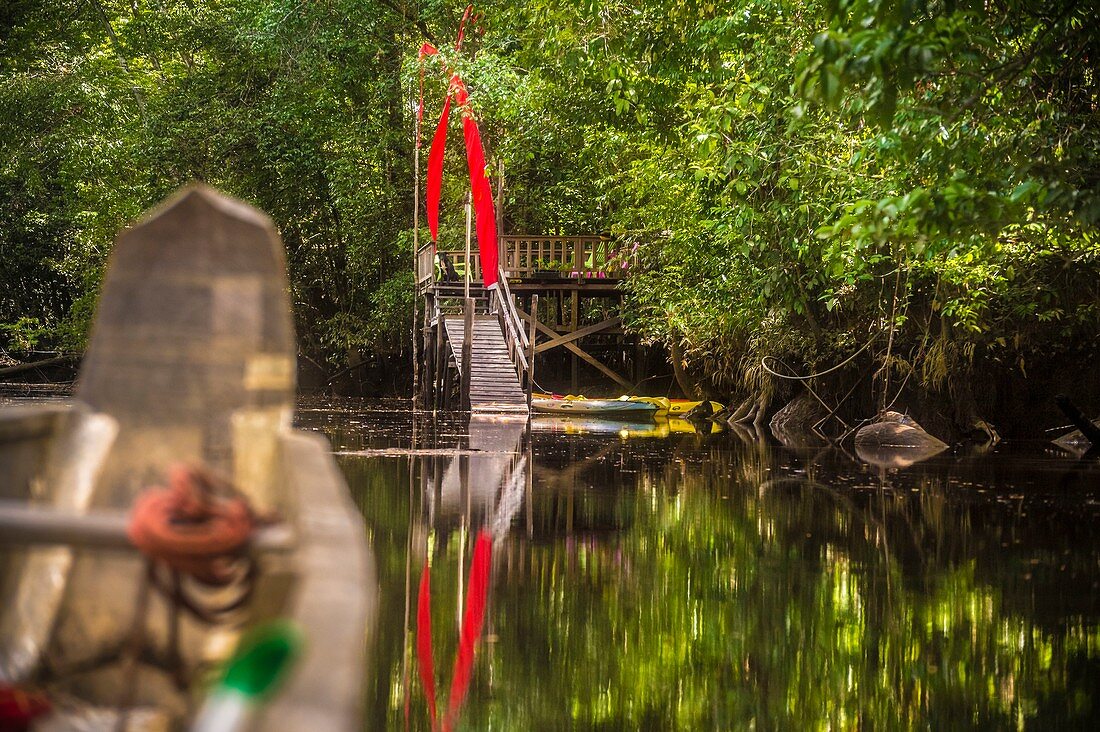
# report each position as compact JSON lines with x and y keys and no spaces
{"x":190,"y":529}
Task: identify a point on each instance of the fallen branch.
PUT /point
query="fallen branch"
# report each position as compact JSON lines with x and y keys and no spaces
{"x":12,"y":370}
{"x":1088,"y":429}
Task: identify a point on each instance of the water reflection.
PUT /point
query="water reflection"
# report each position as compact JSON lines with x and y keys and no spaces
{"x":710,"y":581}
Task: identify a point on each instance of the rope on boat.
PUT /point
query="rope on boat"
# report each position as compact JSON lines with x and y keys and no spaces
{"x":190,"y":529}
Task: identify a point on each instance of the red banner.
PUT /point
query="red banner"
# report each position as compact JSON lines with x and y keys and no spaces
{"x":481,"y":191}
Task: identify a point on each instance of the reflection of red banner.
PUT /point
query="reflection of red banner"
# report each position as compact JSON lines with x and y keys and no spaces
{"x":472,"y":621}
{"x":424,"y":640}
{"x":482,"y":192}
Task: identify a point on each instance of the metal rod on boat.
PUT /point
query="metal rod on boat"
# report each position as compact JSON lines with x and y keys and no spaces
{"x":21,"y":523}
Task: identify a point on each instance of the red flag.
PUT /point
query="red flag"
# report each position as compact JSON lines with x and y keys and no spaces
{"x":482,"y":192}
{"x":479,"y":187}
{"x":462,"y":26}
{"x":435,"y":170}
{"x":472,"y":621}
{"x":424,"y":641}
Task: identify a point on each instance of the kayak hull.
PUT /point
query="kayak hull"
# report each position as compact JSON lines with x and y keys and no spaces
{"x":602,"y":407}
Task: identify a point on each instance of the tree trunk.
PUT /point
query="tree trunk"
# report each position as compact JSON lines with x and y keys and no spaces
{"x":687,"y":384}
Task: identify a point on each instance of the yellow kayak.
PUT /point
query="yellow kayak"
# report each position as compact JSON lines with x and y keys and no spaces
{"x":675,"y":407}
{"x":680,"y":408}
{"x":661,"y":403}
{"x":580,"y":405}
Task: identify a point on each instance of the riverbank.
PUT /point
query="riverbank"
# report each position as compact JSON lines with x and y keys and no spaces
{"x":1013,"y":402}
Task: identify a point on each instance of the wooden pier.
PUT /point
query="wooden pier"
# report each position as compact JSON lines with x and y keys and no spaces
{"x":554,"y":292}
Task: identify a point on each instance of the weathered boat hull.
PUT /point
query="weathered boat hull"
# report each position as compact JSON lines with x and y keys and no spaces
{"x":191,"y":361}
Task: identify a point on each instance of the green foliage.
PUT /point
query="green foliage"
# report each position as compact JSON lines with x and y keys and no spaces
{"x":107,"y":106}
{"x":735,"y":595}
{"x":792,"y":180}
{"x":804,"y":178}
{"x":22,"y":335}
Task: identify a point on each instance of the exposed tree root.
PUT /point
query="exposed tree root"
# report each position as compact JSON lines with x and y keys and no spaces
{"x":752,"y":411}
{"x":741,"y":411}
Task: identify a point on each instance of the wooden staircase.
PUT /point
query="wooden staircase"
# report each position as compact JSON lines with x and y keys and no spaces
{"x":494,"y":383}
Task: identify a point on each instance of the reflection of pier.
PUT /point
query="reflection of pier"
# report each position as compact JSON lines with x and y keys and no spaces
{"x":493,"y":475}
{"x":483,"y":484}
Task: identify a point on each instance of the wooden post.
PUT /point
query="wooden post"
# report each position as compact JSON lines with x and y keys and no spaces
{"x":464,"y":525}
{"x":574,"y":318}
{"x":531,"y":350}
{"x":467,"y":349}
{"x":448,"y":390}
{"x":428,"y":351}
{"x":440,"y":364}
{"x":469,"y":262}
{"x":529,"y":479}
{"x":416,"y":260}
{"x":500,"y":214}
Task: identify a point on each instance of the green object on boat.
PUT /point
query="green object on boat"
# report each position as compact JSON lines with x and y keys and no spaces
{"x":262,"y":658}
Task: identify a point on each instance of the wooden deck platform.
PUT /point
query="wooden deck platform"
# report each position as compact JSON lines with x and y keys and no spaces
{"x":559,"y":299}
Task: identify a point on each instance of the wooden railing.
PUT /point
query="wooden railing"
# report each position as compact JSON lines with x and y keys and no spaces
{"x":534,"y":257}
{"x":514,"y":334}
{"x":565,"y":256}
{"x":425,"y":267}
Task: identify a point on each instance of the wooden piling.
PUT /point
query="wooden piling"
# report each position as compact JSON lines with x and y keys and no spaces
{"x":531,"y":347}
{"x":467,"y":350}
{"x":440,"y":365}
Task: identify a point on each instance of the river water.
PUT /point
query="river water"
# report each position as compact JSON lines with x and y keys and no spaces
{"x":647,"y":578}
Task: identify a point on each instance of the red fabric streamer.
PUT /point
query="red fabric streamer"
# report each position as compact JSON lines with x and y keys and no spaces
{"x":483,"y":202}
{"x":424,"y":641}
{"x":435,"y":170}
{"x":484,"y":209}
{"x":479,"y":186}
{"x":472,"y":622}
{"x":462,"y":26}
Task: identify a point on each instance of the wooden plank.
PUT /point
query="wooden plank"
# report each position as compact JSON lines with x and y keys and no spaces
{"x":561,"y":340}
{"x":531,"y":352}
{"x":493,"y":382}
{"x":588,"y":358}
{"x":338,"y":598}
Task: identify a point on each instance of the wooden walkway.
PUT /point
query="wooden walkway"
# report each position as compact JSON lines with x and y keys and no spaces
{"x":494,"y":384}
{"x":563,"y":292}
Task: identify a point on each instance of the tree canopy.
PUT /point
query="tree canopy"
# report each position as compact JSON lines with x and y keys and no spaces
{"x":800,"y":178}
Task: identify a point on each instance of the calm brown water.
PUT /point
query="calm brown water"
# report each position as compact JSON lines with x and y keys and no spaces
{"x":683,"y":581}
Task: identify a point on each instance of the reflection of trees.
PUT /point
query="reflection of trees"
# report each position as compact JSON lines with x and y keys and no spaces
{"x":700,"y":589}
{"x":793,"y":608}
